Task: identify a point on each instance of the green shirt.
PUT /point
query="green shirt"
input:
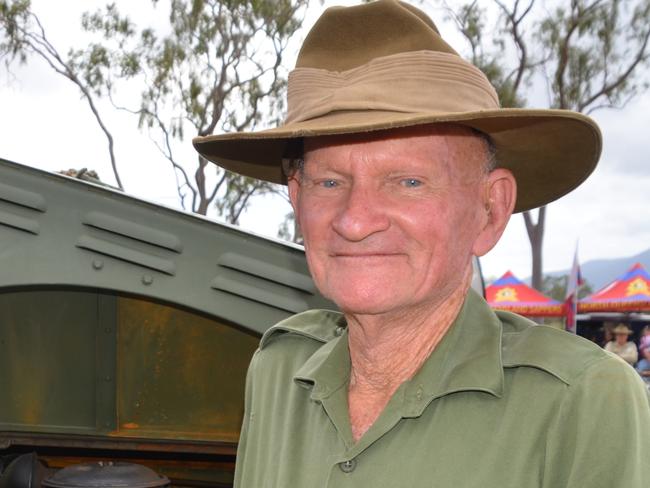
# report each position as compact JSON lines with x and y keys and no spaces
{"x":499,"y":403}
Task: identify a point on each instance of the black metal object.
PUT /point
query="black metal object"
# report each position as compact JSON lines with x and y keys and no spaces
{"x":106,"y":475}
{"x":24,"y":471}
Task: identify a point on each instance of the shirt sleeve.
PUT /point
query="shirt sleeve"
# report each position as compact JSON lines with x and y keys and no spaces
{"x":240,"y":466}
{"x":600,"y":437}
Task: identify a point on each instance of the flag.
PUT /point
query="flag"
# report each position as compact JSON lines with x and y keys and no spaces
{"x":571,"y":298}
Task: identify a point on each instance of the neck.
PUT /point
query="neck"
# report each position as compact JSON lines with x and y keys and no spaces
{"x":387,"y":350}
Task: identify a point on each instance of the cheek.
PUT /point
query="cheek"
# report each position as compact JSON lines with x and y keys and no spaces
{"x":471,"y":216}
{"x":449,"y":230}
{"x":440,"y":222}
{"x":313,"y":219}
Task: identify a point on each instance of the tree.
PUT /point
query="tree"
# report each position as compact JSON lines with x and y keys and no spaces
{"x":23,"y":35}
{"x":289,"y":229}
{"x":218,"y":68}
{"x":555,"y":287}
{"x":591,"y":55}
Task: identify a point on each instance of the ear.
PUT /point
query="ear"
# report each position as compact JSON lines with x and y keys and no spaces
{"x":293,"y":185}
{"x":500,"y":197}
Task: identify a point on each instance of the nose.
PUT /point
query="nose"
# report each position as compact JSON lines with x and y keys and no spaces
{"x":362,"y":214}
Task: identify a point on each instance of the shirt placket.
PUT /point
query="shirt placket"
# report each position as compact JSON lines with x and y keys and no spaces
{"x":343,"y":465}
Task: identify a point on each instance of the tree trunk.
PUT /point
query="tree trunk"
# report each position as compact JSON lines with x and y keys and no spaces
{"x":202,"y":207}
{"x":536,"y":237}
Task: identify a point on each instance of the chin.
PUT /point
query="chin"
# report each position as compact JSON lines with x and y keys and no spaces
{"x":363,"y":304}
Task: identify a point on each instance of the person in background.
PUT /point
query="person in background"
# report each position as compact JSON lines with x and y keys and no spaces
{"x":607,"y":334}
{"x":621,"y":346}
{"x":644,"y":342}
{"x":643,"y":366}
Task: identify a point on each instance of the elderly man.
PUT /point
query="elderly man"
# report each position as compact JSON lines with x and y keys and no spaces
{"x":401,"y":167}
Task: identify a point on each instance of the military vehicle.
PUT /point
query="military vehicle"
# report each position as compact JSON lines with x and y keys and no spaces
{"x":126,"y":328}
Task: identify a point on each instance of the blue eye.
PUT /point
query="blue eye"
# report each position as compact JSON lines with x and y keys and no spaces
{"x":329,"y":183}
{"x":411,"y":183}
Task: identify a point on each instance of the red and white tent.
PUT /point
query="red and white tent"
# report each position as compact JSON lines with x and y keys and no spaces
{"x":630,"y":292}
{"x":511,"y":294}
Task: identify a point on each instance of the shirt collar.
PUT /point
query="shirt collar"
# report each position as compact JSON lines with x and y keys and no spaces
{"x":467,"y":358}
{"x":327,"y":369}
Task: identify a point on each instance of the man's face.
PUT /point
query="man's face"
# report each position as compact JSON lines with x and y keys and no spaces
{"x":621,"y":339}
{"x":390,"y":220}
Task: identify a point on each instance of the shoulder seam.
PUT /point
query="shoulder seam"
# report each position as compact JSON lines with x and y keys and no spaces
{"x":568,"y":374}
{"x":317,"y":325}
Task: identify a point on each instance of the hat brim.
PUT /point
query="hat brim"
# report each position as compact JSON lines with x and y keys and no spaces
{"x":550,"y":152}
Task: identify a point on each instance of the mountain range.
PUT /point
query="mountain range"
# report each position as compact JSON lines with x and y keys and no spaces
{"x":599,"y":272}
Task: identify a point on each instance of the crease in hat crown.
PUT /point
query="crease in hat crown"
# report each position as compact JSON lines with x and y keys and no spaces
{"x":384,"y":65}
{"x":436,"y":82}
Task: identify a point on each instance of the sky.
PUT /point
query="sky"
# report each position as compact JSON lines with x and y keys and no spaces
{"x":46,"y":124}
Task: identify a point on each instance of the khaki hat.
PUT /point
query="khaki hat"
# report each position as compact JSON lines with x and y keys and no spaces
{"x":384,"y":65}
{"x":621,"y":329}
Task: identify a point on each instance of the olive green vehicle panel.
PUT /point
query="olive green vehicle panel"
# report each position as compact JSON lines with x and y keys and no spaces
{"x":125,"y":319}
{"x":42,"y":382}
{"x":85,"y":363}
{"x":126,"y":328}
{"x":179,"y":375}
{"x":57,"y":231}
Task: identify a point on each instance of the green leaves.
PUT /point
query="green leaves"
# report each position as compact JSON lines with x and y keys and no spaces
{"x":108,"y":22}
{"x":595,"y":49}
{"x":588,"y":51}
{"x":216,"y":68}
{"x":14,"y":24}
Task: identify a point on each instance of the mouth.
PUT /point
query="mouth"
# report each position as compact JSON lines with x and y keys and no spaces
{"x":365,"y":255}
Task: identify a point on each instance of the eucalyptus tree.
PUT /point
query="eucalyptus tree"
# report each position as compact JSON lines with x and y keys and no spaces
{"x":213,"y":65}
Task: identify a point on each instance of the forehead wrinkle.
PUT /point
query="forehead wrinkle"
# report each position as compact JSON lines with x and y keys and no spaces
{"x":346,"y":158}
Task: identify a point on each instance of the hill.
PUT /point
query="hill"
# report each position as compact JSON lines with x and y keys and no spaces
{"x":599,"y":272}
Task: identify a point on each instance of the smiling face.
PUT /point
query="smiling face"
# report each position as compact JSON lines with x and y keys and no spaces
{"x":390,"y":220}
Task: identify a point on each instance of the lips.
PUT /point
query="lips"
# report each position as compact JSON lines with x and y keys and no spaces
{"x":365,"y":255}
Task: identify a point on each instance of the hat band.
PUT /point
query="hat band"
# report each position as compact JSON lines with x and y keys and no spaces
{"x":410,"y":82}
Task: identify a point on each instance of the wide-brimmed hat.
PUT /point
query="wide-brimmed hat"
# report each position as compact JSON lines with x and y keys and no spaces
{"x":621,"y":329}
{"x":384,"y":65}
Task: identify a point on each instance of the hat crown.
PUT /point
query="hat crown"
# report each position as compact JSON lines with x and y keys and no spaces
{"x":347,"y":37}
{"x":621,"y":329}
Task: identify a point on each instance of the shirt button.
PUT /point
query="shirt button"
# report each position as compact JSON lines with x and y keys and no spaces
{"x":338,"y":331}
{"x":348,"y":466}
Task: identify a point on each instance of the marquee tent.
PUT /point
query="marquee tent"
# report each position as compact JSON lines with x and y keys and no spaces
{"x":627,"y":293}
{"x":511,"y":294}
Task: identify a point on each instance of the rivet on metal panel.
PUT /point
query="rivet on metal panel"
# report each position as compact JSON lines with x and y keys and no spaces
{"x":98,"y":264}
{"x":147,"y":279}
